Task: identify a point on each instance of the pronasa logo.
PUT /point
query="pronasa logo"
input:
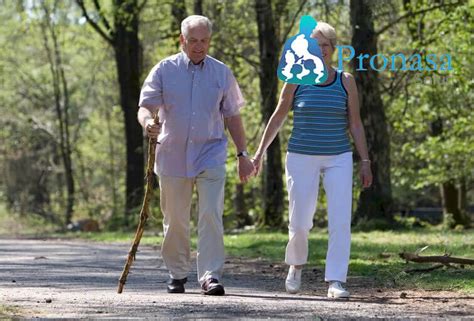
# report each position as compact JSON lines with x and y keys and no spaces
{"x":301,"y":62}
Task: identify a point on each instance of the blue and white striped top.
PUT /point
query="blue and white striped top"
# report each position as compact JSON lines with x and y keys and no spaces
{"x":320,"y":119}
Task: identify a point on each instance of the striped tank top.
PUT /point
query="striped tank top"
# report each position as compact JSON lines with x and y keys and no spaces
{"x":320,"y":119}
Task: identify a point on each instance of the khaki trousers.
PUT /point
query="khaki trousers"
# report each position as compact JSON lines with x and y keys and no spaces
{"x":176,"y":196}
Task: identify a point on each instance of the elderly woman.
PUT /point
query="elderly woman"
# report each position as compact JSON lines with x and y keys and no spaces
{"x":319,"y":144}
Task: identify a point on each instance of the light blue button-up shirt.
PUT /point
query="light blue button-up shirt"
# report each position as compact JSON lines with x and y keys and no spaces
{"x":192,"y":102}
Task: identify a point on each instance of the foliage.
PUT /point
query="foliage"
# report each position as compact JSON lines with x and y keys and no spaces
{"x":430,"y":114}
{"x":431,"y":119}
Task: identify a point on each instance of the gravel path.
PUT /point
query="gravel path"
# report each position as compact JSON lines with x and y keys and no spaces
{"x":78,"y":279}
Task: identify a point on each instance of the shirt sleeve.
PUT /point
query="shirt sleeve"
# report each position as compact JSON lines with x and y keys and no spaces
{"x":232,"y":99}
{"x":151,"y":95}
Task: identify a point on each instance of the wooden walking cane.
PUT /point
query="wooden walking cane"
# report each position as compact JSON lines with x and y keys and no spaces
{"x":144,"y":212}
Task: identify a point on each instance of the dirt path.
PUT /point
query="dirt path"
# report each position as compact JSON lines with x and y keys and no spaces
{"x":77,"y":279}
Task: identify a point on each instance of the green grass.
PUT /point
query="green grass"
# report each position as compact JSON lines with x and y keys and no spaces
{"x":366,"y":260}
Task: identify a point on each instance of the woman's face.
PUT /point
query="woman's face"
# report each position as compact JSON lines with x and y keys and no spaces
{"x":327,"y":49}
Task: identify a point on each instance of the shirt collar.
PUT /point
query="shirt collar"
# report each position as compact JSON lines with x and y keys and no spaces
{"x":188,"y":62}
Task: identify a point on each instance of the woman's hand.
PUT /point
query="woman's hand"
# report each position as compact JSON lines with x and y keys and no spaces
{"x":257,"y":163}
{"x":365,"y":174}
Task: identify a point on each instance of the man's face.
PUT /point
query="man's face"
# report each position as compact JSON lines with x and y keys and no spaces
{"x":196,"y":44}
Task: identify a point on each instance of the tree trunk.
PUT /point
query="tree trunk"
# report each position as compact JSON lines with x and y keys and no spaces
{"x":127,"y":55}
{"x":451,"y":197}
{"x":241,"y":213}
{"x":462,"y":203}
{"x":450,"y":201}
{"x":376,"y":202}
{"x":272,"y":172}
{"x":113,"y":186}
{"x":198,"y":7}
{"x":178,"y":12}
{"x":62,"y":106}
{"x":124,"y":39}
{"x":67,"y":139}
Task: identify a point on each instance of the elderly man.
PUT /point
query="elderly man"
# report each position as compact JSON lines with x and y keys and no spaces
{"x":195,"y":96}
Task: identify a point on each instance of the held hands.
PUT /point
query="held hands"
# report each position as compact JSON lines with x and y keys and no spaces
{"x":257,"y":163}
{"x":246,"y":169}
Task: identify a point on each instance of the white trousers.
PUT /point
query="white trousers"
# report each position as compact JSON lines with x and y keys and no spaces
{"x":175,"y":197}
{"x":302,"y":176}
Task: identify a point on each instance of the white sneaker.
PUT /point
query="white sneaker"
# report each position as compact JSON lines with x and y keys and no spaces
{"x":293,"y":280}
{"x":336,"y":290}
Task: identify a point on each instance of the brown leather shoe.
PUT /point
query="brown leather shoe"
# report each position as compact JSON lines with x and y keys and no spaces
{"x":176,"y":286}
{"x":212,"y":287}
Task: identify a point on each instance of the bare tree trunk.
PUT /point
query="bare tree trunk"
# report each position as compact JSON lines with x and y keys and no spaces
{"x":272,"y":172}
{"x":67,"y":137}
{"x":62,"y":106}
{"x":450,"y":201}
{"x":128,"y":57}
{"x":241,"y":213}
{"x":198,"y":7}
{"x":123,"y":37}
{"x":450,"y":195}
{"x":376,"y":202}
{"x":113,"y":187}
{"x":462,"y":203}
{"x":178,"y":12}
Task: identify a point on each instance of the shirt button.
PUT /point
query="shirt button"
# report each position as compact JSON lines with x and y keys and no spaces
{"x":191,"y":141}
{"x":192,"y":127}
{"x":194,"y":113}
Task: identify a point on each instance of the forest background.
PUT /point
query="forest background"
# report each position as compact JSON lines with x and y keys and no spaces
{"x":71,"y":72}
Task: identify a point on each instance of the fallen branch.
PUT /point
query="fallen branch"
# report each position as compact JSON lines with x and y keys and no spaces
{"x":444,"y":259}
{"x":431,"y":268}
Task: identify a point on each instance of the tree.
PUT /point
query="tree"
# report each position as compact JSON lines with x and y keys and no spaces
{"x":269,"y":45}
{"x":178,"y":12}
{"x":431,"y":119}
{"x":41,"y":79}
{"x":198,"y":7}
{"x":61,"y":102}
{"x":376,"y":202}
{"x":452,"y":187}
{"x":123,"y":37}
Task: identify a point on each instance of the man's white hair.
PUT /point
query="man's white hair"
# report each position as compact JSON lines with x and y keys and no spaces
{"x":194,"y":21}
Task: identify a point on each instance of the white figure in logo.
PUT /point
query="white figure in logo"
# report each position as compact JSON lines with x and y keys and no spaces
{"x":300,"y":47}
{"x":290,"y":61}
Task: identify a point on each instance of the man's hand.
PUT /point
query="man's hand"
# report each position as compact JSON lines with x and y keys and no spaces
{"x":152,"y":129}
{"x":246,"y":169}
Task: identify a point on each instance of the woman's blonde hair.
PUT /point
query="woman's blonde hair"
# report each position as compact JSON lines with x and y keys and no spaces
{"x":327,"y":31}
